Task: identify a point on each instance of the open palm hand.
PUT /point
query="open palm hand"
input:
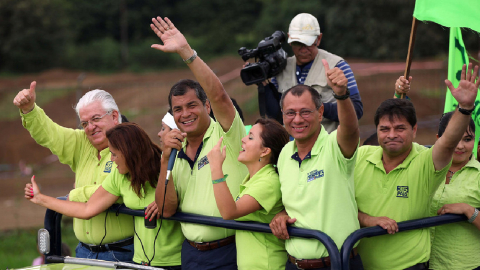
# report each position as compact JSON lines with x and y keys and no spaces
{"x":173,"y":40}
{"x":467,"y":89}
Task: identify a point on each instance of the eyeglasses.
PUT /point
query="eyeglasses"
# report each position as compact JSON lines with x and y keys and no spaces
{"x":93,"y":121}
{"x":303,"y":113}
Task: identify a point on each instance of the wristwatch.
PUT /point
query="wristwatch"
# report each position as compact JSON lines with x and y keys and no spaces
{"x":465,"y":111}
{"x":474,"y":216}
{"x":342,"y":97}
{"x":190,"y":60}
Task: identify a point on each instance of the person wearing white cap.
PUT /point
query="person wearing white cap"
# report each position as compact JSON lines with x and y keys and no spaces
{"x":305,"y":67}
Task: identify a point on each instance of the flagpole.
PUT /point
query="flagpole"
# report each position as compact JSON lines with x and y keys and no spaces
{"x":410,"y":49}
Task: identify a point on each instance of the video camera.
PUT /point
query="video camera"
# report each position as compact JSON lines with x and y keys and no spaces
{"x":272,"y":59}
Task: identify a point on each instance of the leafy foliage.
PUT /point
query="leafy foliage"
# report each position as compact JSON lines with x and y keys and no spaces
{"x":110,"y":35}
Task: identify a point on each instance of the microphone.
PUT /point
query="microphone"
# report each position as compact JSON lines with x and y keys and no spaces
{"x":171,"y":162}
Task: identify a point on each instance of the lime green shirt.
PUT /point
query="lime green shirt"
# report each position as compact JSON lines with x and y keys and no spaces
{"x":74,"y":149}
{"x":403,"y":194}
{"x":456,"y":246}
{"x":168,"y":244}
{"x":194,"y":184}
{"x":261,"y":250}
{"x":319,"y":193}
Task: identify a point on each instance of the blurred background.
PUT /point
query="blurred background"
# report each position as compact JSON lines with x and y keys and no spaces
{"x":71,"y":47}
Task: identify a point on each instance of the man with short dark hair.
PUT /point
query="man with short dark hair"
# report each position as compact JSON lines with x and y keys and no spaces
{"x":316,"y":173}
{"x":191,"y":190}
{"x":305,"y":67}
{"x":395,"y":181}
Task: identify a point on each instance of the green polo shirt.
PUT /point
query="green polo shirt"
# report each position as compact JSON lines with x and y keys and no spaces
{"x":403,"y":194}
{"x":193,"y":182}
{"x":456,"y":246}
{"x":168,"y":244}
{"x":319,"y":193}
{"x":260,"y":250}
{"x":74,"y":149}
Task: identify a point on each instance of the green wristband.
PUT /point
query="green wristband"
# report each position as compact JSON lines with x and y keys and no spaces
{"x":223,"y":179}
{"x":397,"y":95}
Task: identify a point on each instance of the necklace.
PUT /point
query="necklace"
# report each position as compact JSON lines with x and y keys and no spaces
{"x":451,"y":175}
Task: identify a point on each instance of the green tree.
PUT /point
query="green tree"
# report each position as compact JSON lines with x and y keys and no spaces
{"x":33,"y":34}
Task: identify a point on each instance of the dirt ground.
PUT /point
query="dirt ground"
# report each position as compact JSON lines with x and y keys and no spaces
{"x":143,"y":98}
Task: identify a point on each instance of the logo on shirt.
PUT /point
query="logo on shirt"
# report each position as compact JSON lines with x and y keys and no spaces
{"x":108,"y":167}
{"x":402,"y":191}
{"x":202,"y":162}
{"x":314,"y":175}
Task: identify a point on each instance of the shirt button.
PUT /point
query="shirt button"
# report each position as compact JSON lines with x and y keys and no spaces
{"x":87,"y":232}
{"x":301,"y":170}
{"x":298,"y":73}
{"x":94,"y":183}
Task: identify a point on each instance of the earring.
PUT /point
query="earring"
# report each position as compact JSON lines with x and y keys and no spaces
{"x":260,"y":159}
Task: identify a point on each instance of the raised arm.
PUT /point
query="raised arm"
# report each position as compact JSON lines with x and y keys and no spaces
{"x":63,"y":142}
{"x":99,"y":202}
{"x":174,"y":42}
{"x":229,"y":209}
{"x":25,"y":99}
{"x":348,"y":133}
{"x":465,"y":94}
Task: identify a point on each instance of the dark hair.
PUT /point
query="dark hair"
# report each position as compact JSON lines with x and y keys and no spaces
{"x":446,"y":119}
{"x":298,"y":90}
{"x":372,"y":140}
{"x":274,"y":136}
{"x":142,"y":156}
{"x":396,"y":107}
{"x":183,"y":86}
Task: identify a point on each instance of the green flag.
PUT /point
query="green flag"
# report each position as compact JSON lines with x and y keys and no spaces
{"x":457,"y":57}
{"x":449,"y":13}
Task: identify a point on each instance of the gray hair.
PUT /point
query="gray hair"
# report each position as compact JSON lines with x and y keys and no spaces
{"x":107,"y":101}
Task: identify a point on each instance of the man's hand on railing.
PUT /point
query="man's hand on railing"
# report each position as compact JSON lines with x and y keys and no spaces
{"x":279,"y":225}
{"x":385,"y":222}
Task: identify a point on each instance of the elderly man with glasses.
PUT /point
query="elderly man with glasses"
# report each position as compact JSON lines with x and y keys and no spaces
{"x":316,"y":173}
{"x":105,"y":237}
{"x":306,"y":68}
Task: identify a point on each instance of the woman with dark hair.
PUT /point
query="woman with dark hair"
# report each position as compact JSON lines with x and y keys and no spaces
{"x":457,"y":245}
{"x":260,"y":198}
{"x":138,"y":166}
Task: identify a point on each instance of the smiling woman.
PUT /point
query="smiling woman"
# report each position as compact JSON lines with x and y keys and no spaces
{"x":458,"y":194}
{"x":259,"y":198}
{"x":138,"y":165}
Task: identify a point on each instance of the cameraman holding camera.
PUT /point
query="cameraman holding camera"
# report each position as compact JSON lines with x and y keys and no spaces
{"x":306,"y":68}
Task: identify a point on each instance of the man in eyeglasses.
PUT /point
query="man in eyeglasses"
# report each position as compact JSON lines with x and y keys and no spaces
{"x":305,"y":67}
{"x":86,"y":151}
{"x":316,"y":173}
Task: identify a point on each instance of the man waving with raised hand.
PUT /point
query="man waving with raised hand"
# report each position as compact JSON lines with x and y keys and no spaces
{"x":191,"y":190}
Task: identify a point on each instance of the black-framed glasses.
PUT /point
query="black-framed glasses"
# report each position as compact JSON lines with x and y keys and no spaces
{"x":304,"y":113}
{"x":93,"y":121}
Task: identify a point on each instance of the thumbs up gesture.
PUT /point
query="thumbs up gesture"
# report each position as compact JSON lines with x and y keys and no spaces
{"x":336,"y":79}
{"x":25,"y":99}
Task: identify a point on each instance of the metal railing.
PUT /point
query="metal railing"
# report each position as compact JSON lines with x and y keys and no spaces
{"x":53,"y":220}
{"x":339,"y":260}
{"x":402,"y":227}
